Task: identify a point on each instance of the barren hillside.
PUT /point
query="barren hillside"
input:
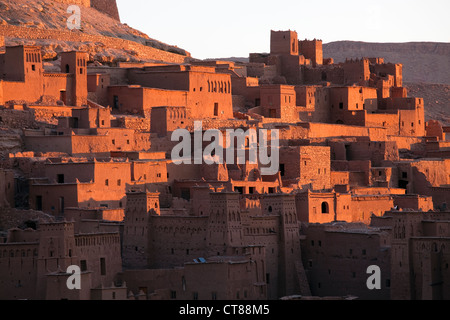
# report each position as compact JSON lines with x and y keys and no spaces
{"x":44,"y":22}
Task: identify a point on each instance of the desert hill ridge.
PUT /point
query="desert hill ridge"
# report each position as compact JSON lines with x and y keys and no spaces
{"x":44,"y":23}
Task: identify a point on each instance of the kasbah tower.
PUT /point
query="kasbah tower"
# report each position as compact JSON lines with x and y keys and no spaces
{"x":363,"y":178}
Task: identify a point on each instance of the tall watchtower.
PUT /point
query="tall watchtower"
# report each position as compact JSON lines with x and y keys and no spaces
{"x":224,"y":223}
{"x":289,"y":251}
{"x":75,"y":63}
{"x":284,"y":42}
{"x":140,"y":205}
{"x":57,"y":251}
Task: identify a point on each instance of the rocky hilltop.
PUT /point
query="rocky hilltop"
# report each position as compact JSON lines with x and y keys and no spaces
{"x":44,"y":23}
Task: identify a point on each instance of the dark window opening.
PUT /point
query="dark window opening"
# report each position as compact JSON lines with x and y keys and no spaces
{"x":341,"y":105}
{"x":83,"y":265}
{"x":282,"y":169}
{"x":325,"y":207}
{"x":216,"y":109}
{"x":60,"y":178}
{"x":103,"y":266}
{"x":61,"y":205}
{"x":39,"y":203}
{"x":240,"y":190}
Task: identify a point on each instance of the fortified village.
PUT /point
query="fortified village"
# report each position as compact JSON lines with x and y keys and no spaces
{"x":363,"y":179}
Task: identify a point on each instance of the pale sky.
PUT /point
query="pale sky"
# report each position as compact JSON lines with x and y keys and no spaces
{"x":235,"y":28}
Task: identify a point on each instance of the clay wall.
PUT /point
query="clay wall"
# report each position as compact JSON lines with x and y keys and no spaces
{"x":18,"y":270}
{"x":312,"y":49}
{"x":356,"y":71}
{"x":363,"y":207}
{"x":328,"y":73}
{"x":316,"y":207}
{"x":384,"y":120}
{"x":53,"y":199}
{"x":396,"y":70}
{"x":376,"y":152}
{"x":323,"y":130}
{"x":176,"y":240}
{"x":336,"y":261}
{"x":102,"y":256}
{"x":414,"y":202}
{"x":307,"y":165}
{"x":279,"y":102}
{"x":98,"y":87}
{"x":434,"y":128}
{"x":339,"y":178}
{"x":58,"y":86}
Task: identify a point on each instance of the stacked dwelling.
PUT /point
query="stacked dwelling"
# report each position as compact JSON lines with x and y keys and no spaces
{"x":357,"y":162}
